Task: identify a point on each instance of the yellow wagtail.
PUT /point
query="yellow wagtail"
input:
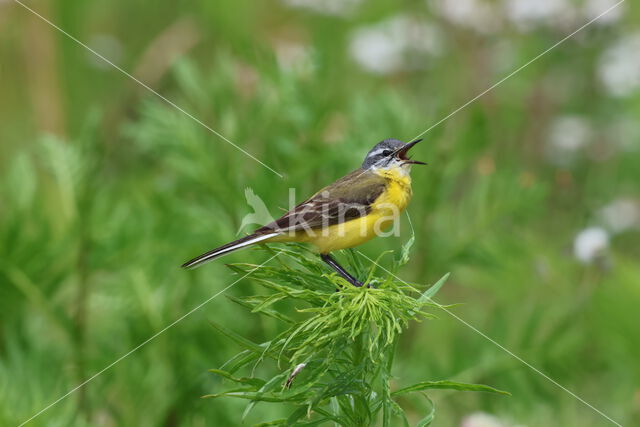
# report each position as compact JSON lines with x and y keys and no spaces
{"x":344,"y":214}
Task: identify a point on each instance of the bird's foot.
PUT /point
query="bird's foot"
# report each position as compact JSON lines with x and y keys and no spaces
{"x":356,"y":283}
{"x":359,"y":284}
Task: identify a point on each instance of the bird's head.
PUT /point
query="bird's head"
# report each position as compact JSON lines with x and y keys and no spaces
{"x":390,"y":153}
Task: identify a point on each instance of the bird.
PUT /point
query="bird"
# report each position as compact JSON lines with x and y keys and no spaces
{"x":344,"y":214}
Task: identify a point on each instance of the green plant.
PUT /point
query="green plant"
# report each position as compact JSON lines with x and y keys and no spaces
{"x":335,"y":356}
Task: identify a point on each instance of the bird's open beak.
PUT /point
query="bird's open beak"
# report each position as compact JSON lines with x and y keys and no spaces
{"x":402,"y":153}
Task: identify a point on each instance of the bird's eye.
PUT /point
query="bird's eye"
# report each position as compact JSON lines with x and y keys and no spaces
{"x":386,"y":152}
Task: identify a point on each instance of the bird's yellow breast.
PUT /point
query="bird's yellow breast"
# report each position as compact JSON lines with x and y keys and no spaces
{"x":384,"y":211}
{"x":398,"y":191}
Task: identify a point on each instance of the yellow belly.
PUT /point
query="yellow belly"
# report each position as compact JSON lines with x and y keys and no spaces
{"x":384,"y":211}
{"x":347,"y":235}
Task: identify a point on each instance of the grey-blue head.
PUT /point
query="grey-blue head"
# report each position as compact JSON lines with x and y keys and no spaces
{"x":390,"y":153}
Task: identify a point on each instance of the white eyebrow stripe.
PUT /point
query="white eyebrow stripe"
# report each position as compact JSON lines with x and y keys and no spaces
{"x":375,"y":153}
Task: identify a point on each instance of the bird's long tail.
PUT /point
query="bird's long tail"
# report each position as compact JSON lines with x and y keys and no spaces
{"x":225,"y":249}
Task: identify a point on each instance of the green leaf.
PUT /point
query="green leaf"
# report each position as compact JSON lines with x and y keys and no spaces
{"x":240,"y":360}
{"x":336,"y":419}
{"x":397,"y":410}
{"x":263,"y":394}
{"x":257,"y":382}
{"x":426,"y":421}
{"x":404,"y":253}
{"x":256,"y":396}
{"x":449,"y":385}
{"x":375,"y":265}
{"x":267,"y":302}
{"x":319,"y":421}
{"x":300,"y":412}
{"x":248,"y":344}
{"x":430,"y":293}
{"x":280,"y":422}
{"x":354,"y":262}
{"x":265,"y":311}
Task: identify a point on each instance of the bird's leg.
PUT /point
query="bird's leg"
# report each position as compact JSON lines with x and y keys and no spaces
{"x":341,"y":271}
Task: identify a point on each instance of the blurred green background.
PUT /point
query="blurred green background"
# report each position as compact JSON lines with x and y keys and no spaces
{"x":531,"y":198}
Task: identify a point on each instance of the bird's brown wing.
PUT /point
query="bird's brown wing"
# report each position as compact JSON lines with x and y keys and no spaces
{"x":346,"y":199}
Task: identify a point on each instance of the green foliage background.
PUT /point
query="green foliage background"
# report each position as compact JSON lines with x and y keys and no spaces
{"x":105,"y":190}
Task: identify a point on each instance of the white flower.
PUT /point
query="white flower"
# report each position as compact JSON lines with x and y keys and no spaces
{"x":327,"y":7}
{"x":619,"y":67}
{"x":478,"y":15}
{"x":396,"y":44}
{"x":481,"y":419}
{"x":590,"y":243}
{"x":567,"y":135}
{"x":594,"y":8}
{"x":621,"y":215}
{"x":527,"y":14}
